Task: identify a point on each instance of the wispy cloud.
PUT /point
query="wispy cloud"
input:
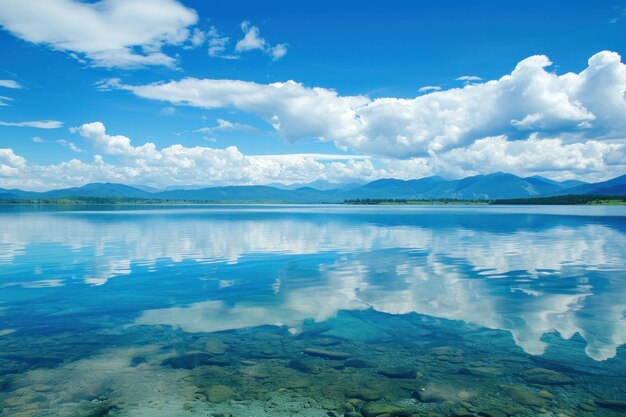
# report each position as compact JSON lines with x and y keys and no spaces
{"x":70,"y":145}
{"x":228,"y":126}
{"x":217,"y":44}
{"x":3,"y":100}
{"x":620,"y":15}
{"x":168,"y":111}
{"x":10,"y":84}
{"x":39,"y":124}
{"x":428,"y":88}
{"x":62,"y":142}
{"x":466,"y":79}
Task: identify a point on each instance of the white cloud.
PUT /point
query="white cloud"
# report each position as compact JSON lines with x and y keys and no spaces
{"x":168,"y":111}
{"x":199,"y":165}
{"x":113,"y":145}
{"x":228,"y":126}
{"x":575,"y":107}
{"x":109,"y":33}
{"x":37,"y":139}
{"x":197,"y":38}
{"x":278,"y":51}
{"x":621,"y":13}
{"x":10,"y":84}
{"x":39,"y":124}
{"x":3,"y":100}
{"x":469,"y":78}
{"x":253,"y":40}
{"x":217,"y":44}
{"x":427,"y":88}
{"x":70,"y":145}
{"x":177,"y":164}
{"x":592,"y":160}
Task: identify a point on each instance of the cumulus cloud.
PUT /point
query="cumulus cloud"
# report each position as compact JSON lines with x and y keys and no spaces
{"x":179,"y":165}
{"x":39,"y":124}
{"x":10,"y":163}
{"x":253,"y":40}
{"x":197,"y":38}
{"x":10,"y":84}
{"x":108,"y":33}
{"x":530,"y":100}
{"x":278,"y":51}
{"x":199,"y":165}
{"x":113,"y":145}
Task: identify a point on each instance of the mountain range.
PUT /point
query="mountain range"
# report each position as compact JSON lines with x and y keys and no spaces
{"x":479,"y":187}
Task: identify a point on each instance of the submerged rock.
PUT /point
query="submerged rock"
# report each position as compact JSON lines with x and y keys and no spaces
{"x":365,"y":394}
{"x":380,"y":409}
{"x":433,"y":394}
{"x":357,"y":363}
{"x":398,"y":372}
{"x":89,"y":409}
{"x":215,"y":347}
{"x":300,"y":365}
{"x":220,"y":394}
{"x":492,"y":413}
{"x":612,"y":404}
{"x":462,"y":412}
{"x":484,"y":371}
{"x":546,"y":394}
{"x":546,"y":377}
{"x":327,"y":341}
{"x":327,"y":354}
{"x":523,"y":396}
{"x":191,"y":360}
{"x":255,"y":371}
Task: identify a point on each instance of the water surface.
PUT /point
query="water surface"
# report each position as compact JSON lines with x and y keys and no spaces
{"x":313,"y":311}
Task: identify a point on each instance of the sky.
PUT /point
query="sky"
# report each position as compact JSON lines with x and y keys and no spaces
{"x":169,"y":93}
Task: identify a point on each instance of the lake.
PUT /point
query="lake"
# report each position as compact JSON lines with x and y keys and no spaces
{"x":313,"y":311}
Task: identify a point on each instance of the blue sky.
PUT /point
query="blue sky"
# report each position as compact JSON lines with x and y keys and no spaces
{"x":167,"y":92}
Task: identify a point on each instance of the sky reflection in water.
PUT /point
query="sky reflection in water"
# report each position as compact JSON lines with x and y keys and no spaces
{"x":206,"y":270}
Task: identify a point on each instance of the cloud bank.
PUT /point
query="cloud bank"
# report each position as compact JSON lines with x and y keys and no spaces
{"x":529,"y":122}
{"x":531,"y":100}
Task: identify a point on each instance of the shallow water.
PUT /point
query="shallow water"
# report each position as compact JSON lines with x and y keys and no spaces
{"x":313,"y":311}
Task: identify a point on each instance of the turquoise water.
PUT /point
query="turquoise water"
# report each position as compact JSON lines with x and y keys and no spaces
{"x":313,"y":311}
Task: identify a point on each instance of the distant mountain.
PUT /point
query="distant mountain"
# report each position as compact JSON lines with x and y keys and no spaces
{"x":562,"y":184}
{"x":16,"y":194}
{"x":492,"y":186}
{"x":320,"y":185}
{"x":616,"y":186}
{"x":243,"y":193}
{"x":97,"y":189}
{"x":393,"y":188}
